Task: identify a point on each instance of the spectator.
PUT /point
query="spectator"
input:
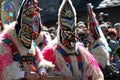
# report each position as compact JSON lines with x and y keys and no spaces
{"x":53,"y":32}
{"x":117,"y":27}
{"x":113,"y":43}
{"x":82,"y":32}
{"x":104,"y":28}
{"x":99,"y":47}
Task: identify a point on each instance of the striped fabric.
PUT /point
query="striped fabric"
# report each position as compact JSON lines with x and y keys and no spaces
{"x":92,"y":22}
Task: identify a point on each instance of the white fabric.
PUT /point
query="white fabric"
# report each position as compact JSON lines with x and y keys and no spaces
{"x":42,"y":70}
{"x":20,"y":74}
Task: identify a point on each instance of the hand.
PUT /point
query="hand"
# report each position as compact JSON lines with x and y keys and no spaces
{"x":32,"y":76}
{"x":43,"y":76}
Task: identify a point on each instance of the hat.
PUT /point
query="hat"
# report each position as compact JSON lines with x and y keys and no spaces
{"x":104,"y":25}
{"x":80,"y":23}
{"x":117,"y":25}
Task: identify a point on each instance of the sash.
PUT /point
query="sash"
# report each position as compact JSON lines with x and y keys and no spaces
{"x":67,"y":58}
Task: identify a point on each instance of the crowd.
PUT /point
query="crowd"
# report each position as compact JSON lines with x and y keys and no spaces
{"x":74,"y":50}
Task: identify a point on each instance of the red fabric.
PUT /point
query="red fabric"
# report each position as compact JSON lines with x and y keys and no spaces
{"x":79,"y":58}
{"x":5,"y":59}
{"x":67,"y":59}
{"x":48,"y":54}
{"x":0,"y":23}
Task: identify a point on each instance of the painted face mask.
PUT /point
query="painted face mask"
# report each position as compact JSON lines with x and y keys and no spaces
{"x":67,"y":23}
{"x":28,"y":27}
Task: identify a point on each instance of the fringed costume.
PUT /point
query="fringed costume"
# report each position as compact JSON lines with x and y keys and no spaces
{"x":99,"y":46}
{"x":71,"y":58}
{"x":18,"y":54}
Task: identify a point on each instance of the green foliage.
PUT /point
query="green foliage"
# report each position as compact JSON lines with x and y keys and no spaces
{"x":117,"y":51}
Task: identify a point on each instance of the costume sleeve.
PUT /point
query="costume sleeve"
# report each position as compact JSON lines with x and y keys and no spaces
{"x":5,"y":57}
{"x":90,"y":66}
{"x":6,"y":61}
{"x":101,"y":55}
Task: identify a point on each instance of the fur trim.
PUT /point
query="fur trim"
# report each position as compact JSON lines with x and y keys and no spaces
{"x":9,"y":30}
{"x":10,"y":72}
{"x":64,"y":70}
{"x":90,"y":65}
{"x":46,"y":64}
{"x":101,"y":53}
{"x":5,"y":58}
{"x":13,"y":68}
{"x":42,"y":62}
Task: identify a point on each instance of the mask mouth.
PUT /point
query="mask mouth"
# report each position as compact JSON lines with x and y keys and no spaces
{"x":26,"y":42}
{"x":72,"y":44}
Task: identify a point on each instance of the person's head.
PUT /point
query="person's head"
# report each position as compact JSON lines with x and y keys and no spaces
{"x":81,"y":24}
{"x":28,"y":24}
{"x":82,"y":31}
{"x":112,"y":33}
{"x":117,"y":27}
{"x":66,"y":24}
{"x":104,"y":28}
{"x":52,"y":31}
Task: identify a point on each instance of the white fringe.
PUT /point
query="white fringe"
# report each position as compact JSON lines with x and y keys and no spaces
{"x":101,"y":53}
